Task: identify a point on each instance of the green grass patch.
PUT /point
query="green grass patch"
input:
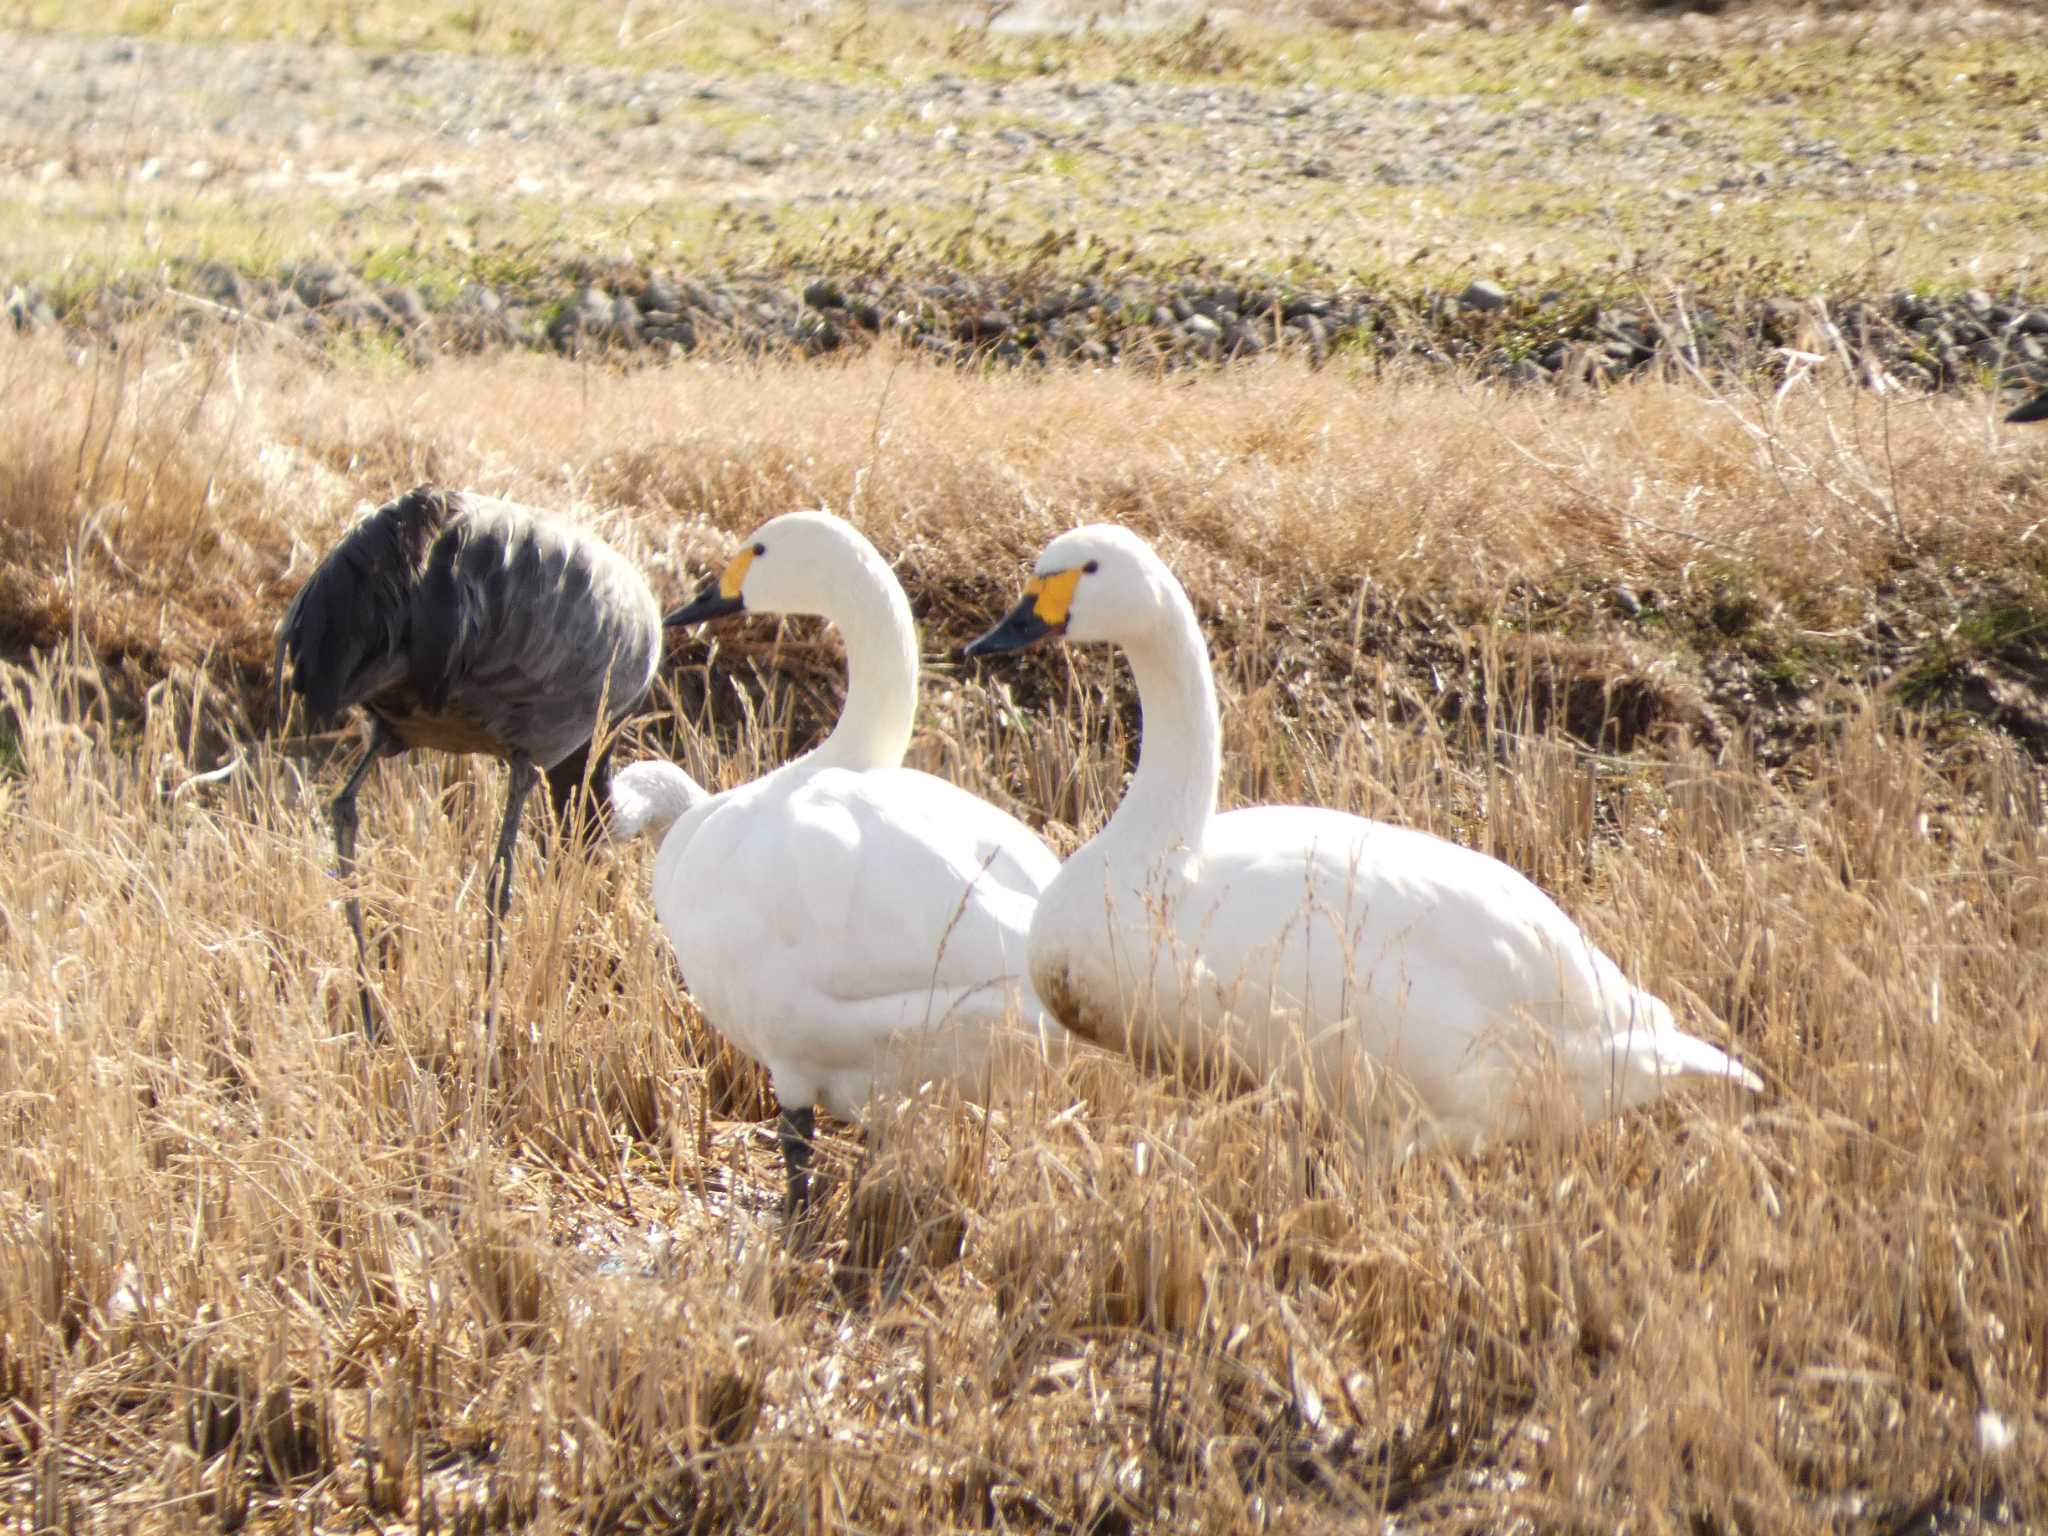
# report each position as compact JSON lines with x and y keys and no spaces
{"x":1934,"y":206}
{"x":1551,"y":61}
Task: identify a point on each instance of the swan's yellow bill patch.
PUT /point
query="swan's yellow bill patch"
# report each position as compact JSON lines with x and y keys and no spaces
{"x":735,"y":573}
{"x":1054,"y":594}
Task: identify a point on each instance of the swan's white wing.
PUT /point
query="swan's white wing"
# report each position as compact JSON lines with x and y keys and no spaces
{"x":895,"y":888}
{"x":823,"y":920}
{"x":1645,"y":1045}
{"x":1327,"y":905}
{"x":1014,"y":856}
{"x":1318,"y":928}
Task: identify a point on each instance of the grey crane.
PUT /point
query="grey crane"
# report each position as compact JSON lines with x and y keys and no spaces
{"x":2035,"y":409}
{"x":464,"y":623}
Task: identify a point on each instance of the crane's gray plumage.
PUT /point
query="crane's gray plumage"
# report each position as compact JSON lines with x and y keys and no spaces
{"x":467,"y":624}
{"x":2035,"y":409}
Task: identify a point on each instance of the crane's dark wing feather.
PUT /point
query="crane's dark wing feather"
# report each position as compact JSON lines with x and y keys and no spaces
{"x":488,"y":628}
{"x":284,"y":630}
{"x":446,"y":614}
{"x":347,"y":632}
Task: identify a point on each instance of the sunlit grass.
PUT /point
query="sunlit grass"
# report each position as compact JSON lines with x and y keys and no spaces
{"x":252,"y":1269}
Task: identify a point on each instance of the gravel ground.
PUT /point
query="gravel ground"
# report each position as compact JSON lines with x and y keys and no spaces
{"x":265,"y":115}
{"x":260,"y":117}
{"x":118,"y":130}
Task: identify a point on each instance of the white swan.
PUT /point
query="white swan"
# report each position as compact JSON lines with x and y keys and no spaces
{"x":1336,"y":951}
{"x":853,"y":925}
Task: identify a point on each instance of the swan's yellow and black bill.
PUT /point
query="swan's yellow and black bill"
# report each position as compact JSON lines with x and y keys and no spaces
{"x":719,"y":597}
{"x":1021,"y":628}
{"x":734,"y":576}
{"x":711,"y":602}
{"x":1042,"y":612}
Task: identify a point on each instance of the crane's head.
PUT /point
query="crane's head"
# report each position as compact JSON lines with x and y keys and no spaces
{"x":800,"y":562}
{"x":1099,"y":582}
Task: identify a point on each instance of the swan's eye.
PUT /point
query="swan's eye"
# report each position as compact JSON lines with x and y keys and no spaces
{"x":1091,"y":567}
{"x":760,"y":549}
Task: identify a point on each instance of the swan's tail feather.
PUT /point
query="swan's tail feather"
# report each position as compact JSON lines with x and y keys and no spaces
{"x":1644,"y":1039}
{"x":1672,"y":1053}
{"x":648,"y":798}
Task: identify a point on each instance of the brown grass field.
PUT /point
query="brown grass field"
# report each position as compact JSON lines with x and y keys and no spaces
{"x":1751,"y":676}
{"x":255,"y":1274}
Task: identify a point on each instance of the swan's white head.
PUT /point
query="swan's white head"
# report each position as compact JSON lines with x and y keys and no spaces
{"x":800,"y":562}
{"x":1098,"y":582}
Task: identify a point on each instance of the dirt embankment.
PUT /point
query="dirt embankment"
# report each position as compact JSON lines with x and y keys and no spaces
{"x":117,"y":125}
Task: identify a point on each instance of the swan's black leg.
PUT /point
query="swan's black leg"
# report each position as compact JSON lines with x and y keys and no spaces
{"x":796,"y":1131}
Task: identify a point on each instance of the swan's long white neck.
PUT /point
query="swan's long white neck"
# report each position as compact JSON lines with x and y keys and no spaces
{"x":1173,"y":794}
{"x":873,"y":618}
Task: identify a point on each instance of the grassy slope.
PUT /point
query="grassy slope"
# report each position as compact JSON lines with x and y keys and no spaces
{"x":244,"y":1266}
{"x":1810,"y":540}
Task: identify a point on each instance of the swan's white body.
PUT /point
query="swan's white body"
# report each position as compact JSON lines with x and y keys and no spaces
{"x":853,"y":925}
{"x":1340,"y":954}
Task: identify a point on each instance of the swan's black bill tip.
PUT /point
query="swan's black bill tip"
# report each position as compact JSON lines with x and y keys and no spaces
{"x":1020,"y":629}
{"x":710,"y":603}
{"x":2035,"y":409}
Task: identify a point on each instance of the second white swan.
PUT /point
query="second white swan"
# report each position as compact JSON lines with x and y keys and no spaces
{"x":853,"y":925}
{"x":1346,"y":955}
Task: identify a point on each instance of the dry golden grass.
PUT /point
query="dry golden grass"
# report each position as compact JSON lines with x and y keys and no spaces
{"x":163,"y":502}
{"x":253,"y":1271}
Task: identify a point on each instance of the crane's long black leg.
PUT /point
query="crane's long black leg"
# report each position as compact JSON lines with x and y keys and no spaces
{"x":382,"y":744}
{"x":797,"y":1131}
{"x":498,"y":887}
